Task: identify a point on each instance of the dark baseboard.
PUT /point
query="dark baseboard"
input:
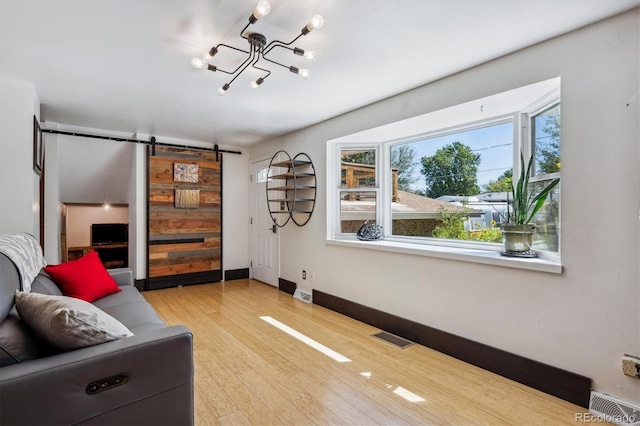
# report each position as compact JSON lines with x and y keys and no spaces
{"x":183,"y":279}
{"x":546,"y":378}
{"x":139,"y":284}
{"x":287,"y":286}
{"x":236,"y":274}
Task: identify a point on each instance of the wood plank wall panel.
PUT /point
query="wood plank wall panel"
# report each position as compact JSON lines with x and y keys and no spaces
{"x":184,"y":242}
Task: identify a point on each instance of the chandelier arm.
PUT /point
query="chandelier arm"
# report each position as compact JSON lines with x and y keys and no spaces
{"x":251,"y":56}
{"x":274,"y":62}
{"x":243,"y":30}
{"x":275,"y":43}
{"x":234,"y":48}
{"x":239,"y":66}
{"x":261,"y":69}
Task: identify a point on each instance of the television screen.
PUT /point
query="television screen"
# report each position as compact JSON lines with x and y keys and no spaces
{"x":109,"y":233}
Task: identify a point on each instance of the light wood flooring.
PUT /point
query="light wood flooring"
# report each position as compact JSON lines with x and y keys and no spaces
{"x":249,"y":372}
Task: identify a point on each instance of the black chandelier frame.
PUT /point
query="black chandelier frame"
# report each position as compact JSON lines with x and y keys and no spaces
{"x":258,"y":50}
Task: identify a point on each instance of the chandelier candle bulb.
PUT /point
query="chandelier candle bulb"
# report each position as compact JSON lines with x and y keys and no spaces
{"x":198,"y":63}
{"x":262,"y":9}
{"x":210,"y":54}
{"x":223,"y":89}
{"x":308,"y":54}
{"x":315,"y":24}
{"x":304,"y":73}
{"x":256,"y":83}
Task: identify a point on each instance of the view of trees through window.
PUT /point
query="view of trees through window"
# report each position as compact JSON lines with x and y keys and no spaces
{"x":455,"y":186}
{"x":546,"y":133}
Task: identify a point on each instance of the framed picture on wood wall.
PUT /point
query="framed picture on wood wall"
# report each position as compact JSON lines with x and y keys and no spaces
{"x":38,"y":147}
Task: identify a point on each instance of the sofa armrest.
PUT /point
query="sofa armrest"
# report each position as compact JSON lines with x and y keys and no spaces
{"x":122,"y":276}
{"x":159,"y":389}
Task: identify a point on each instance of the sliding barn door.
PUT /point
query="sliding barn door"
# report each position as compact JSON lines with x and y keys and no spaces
{"x":184,"y":217}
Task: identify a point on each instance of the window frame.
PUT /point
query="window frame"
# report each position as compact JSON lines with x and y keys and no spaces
{"x":337,"y":231}
{"x":482,"y":252}
{"x":528,"y":114}
{"x":386,"y":151}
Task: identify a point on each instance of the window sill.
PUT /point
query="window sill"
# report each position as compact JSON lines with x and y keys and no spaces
{"x":486,"y":257}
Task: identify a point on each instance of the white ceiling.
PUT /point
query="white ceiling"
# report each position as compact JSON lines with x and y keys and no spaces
{"x":124,"y":65}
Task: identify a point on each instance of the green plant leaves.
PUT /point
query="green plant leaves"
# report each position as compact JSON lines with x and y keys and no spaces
{"x":526,"y":204}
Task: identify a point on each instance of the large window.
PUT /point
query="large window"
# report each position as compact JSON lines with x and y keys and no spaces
{"x":449,"y":186}
{"x":445,"y":178}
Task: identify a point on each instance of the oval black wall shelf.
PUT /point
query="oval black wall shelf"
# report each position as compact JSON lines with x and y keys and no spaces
{"x":291,"y":188}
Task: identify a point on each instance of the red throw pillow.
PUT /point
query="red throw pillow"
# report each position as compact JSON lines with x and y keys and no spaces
{"x":85,"y":278}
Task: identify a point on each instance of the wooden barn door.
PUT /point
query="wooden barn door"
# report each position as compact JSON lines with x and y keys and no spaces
{"x":184,"y":218}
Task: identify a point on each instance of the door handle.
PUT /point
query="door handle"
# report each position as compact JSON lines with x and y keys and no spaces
{"x":272,"y":229}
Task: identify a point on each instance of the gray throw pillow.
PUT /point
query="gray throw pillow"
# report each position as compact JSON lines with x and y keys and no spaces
{"x":18,"y":343}
{"x":67,"y":322}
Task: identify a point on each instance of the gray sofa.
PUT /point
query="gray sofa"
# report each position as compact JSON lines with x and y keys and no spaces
{"x":148,"y":377}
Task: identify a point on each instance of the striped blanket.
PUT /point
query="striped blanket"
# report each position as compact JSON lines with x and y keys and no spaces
{"x":25,"y":252}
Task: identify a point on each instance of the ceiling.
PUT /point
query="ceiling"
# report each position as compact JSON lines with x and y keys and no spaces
{"x":124,"y":65}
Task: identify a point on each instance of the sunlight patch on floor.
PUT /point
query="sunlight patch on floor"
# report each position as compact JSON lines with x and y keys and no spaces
{"x":304,"y":339}
{"x":408,"y":395}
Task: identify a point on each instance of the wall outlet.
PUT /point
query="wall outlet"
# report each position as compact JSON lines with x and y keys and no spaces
{"x":312,"y":276}
{"x":304,"y":274}
{"x":631,"y":366}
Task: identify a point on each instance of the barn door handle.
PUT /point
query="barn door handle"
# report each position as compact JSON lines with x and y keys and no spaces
{"x":272,"y":229}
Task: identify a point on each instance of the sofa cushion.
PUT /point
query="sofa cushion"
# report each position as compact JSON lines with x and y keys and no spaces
{"x":18,"y":343}
{"x":66,"y":322}
{"x":43,"y":284}
{"x":85,"y":278}
{"x":131,"y":309}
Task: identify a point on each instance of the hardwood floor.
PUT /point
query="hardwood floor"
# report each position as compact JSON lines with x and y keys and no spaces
{"x":249,"y":372}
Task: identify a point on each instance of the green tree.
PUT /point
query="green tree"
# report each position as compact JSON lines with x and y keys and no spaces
{"x":548,"y":152}
{"x":504,"y":183}
{"x":363,"y":157}
{"x":403,"y":158}
{"x":451,"y":171}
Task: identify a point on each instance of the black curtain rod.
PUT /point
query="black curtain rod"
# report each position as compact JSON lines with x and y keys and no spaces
{"x":152,"y":142}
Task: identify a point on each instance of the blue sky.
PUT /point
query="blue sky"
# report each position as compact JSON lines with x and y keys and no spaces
{"x":494,"y":144}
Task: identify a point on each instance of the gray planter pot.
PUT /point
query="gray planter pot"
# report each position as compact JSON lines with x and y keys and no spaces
{"x":518,"y":239}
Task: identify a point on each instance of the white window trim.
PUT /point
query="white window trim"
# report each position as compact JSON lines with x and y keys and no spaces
{"x":473,"y":255}
{"x":337,"y":176}
{"x":483,"y":253}
{"x":545,"y":102}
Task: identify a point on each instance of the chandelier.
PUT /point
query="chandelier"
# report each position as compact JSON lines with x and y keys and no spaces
{"x":259,"y":49}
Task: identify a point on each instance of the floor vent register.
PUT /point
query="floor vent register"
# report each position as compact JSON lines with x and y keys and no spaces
{"x":396,"y":341}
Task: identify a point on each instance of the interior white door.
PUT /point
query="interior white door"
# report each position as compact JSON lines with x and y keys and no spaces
{"x":265,"y":264}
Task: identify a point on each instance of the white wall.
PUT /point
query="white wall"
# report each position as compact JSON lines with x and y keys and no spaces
{"x":19,"y":185}
{"x":138,"y":214}
{"x":80,"y":219}
{"x":235,"y":211}
{"x":94,"y":170}
{"x":582,"y":320}
{"x":52,"y":213}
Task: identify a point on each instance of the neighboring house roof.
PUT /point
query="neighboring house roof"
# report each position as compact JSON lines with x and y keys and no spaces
{"x":415,"y":202}
{"x":406,"y":202}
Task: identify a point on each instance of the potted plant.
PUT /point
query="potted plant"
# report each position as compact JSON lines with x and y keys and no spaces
{"x":517,"y":229}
